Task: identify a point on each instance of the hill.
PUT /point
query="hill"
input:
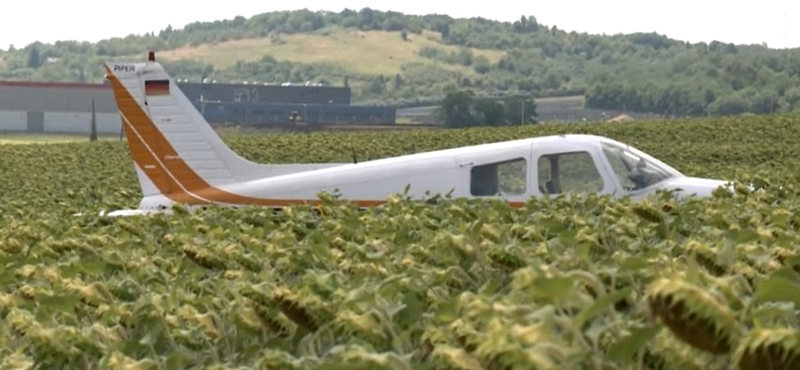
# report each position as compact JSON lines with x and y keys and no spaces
{"x":368,"y":53}
{"x":392,"y":57}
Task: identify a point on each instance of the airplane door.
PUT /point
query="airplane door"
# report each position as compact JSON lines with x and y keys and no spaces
{"x":568,"y":168}
{"x":498,"y":175}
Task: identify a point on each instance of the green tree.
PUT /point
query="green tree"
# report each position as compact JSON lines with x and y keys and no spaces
{"x":481,"y":64}
{"x":463,"y":109}
{"x":34,"y":57}
{"x":520,"y":111}
{"x":729,"y":105}
{"x":456,"y":110}
{"x":397,"y":82}
{"x":488,"y":112}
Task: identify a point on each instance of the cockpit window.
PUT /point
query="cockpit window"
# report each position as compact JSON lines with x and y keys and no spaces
{"x":634,"y":171}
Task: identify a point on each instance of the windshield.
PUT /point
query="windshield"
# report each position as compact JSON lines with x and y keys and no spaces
{"x":634,"y":169}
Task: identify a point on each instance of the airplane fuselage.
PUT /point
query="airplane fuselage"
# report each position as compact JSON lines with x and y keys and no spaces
{"x":448,"y":171}
{"x":180,"y":159}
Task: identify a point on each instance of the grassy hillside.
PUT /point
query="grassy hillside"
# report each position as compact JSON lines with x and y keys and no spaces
{"x":361,"y":52}
{"x":640,"y":72}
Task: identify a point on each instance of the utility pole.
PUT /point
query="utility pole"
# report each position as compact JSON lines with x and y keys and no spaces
{"x":93,"y":135}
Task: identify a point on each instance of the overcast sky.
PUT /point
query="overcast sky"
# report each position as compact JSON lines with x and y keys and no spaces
{"x":91,"y":20}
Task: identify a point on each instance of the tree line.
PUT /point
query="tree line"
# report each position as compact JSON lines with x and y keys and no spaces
{"x":461,"y":109}
{"x":643,"y":72}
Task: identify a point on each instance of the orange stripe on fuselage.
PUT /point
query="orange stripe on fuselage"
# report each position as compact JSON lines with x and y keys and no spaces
{"x":197,"y":190}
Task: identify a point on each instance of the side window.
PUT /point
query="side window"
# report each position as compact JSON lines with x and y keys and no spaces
{"x":507,"y":177}
{"x":573,"y":172}
{"x":619,"y":167}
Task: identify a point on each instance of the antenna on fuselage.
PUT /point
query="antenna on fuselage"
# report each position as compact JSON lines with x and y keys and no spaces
{"x":353,"y":149}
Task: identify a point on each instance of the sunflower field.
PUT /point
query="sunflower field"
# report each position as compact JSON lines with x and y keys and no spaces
{"x":581,"y":282}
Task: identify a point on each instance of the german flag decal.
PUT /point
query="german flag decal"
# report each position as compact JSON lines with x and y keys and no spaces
{"x":156,"y":87}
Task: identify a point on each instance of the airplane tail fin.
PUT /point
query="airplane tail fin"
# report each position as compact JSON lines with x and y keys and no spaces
{"x":175,"y":150}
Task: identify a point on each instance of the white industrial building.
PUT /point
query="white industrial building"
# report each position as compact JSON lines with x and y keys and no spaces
{"x":43,"y":107}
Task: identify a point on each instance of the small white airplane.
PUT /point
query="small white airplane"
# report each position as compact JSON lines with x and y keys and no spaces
{"x":179,"y":158}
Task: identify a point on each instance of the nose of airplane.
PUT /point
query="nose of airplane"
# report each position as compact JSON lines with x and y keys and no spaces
{"x":695,"y":186}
